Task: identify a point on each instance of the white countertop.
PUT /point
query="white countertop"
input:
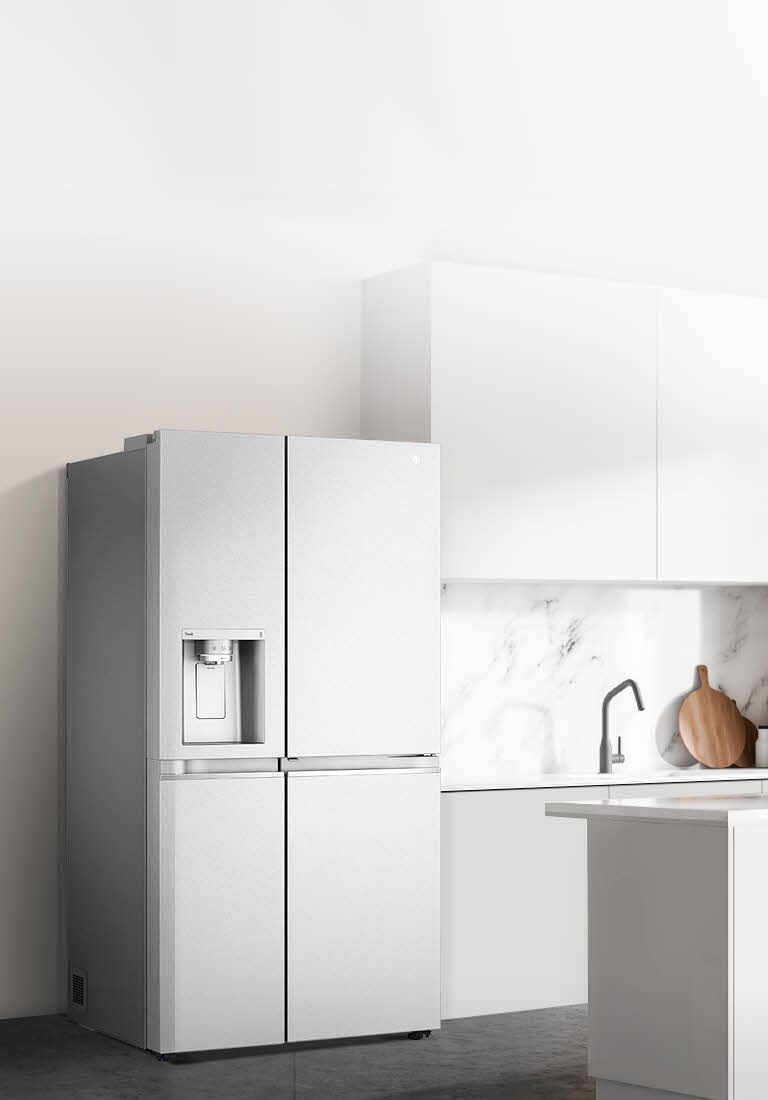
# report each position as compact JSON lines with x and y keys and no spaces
{"x":503,"y":781}
{"x":697,"y":809}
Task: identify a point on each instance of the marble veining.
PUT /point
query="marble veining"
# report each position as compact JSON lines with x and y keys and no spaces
{"x":525,"y":669}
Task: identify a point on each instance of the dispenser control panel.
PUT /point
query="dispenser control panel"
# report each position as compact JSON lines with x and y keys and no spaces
{"x":223,"y":674}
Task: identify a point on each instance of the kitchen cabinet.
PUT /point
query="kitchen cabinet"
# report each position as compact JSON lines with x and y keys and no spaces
{"x":514,"y":894}
{"x":541,"y":390}
{"x":590,"y":430}
{"x":677,"y":905}
{"x":514,"y":902}
{"x":713,"y":445}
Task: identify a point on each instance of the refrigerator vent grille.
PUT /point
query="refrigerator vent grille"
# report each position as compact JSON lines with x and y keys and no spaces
{"x":79,"y":988}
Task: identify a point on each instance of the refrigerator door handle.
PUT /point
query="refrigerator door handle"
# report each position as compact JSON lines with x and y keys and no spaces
{"x":363,"y":771}
{"x":185,"y":776}
{"x":362,"y":763}
{"x":219,"y":769}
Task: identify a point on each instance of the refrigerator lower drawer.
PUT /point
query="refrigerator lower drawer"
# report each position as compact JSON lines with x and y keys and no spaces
{"x":222,"y":895}
{"x":363,"y":903}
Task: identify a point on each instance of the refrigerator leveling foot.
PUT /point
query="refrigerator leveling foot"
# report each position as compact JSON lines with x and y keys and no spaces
{"x":419,"y":1034}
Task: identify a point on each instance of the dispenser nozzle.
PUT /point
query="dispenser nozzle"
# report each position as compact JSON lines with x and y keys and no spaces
{"x":213,"y":651}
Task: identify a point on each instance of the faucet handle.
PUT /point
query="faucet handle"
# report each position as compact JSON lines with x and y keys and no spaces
{"x":618,"y":757}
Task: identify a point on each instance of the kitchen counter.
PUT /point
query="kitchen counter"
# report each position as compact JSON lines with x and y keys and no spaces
{"x":502,"y":782}
{"x":702,"y":810}
{"x":678,"y":981}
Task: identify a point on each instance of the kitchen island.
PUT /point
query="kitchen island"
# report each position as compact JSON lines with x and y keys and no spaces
{"x":678,"y":970}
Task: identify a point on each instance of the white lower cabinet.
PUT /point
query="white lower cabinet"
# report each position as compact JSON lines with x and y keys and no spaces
{"x":363,"y":903}
{"x":749,"y":964}
{"x":514,"y":888}
{"x":514,"y":894}
{"x":221,"y":911}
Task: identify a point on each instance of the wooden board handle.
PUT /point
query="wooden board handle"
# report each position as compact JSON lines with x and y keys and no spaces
{"x":703,"y":675}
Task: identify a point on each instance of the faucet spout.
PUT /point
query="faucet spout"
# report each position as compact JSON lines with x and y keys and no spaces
{"x":607,"y":756}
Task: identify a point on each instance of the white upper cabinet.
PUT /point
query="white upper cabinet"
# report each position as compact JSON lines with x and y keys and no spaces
{"x":713,"y":439}
{"x":541,"y":390}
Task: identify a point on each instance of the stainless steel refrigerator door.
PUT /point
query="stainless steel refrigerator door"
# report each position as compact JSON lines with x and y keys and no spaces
{"x":363,"y":598}
{"x":363,"y":903}
{"x":222,"y":919}
{"x":216,"y":559}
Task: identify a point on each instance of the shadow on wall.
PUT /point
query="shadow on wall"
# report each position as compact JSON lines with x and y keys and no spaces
{"x":668,"y":742}
{"x":740,"y":616}
{"x":32,"y":568}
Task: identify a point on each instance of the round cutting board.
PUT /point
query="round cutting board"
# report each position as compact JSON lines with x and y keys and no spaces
{"x":710,"y":725}
{"x":747,"y":758}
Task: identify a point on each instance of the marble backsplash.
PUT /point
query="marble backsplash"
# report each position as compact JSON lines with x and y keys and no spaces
{"x":525,"y":668}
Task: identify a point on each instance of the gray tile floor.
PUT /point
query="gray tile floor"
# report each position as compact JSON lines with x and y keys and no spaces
{"x":518,"y":1055}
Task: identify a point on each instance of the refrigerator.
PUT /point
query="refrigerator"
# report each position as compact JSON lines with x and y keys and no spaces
{"x":253,"y":649}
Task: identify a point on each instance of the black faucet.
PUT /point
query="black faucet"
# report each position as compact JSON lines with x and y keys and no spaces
{"x":607,"y":757}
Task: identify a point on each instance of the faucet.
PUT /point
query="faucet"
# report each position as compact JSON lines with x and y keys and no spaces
{"x":607,"y":756}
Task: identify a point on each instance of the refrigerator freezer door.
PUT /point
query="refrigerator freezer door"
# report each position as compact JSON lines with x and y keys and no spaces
{"x":363,"y":904}
{"x":221,"y":911}
{"x":363,"y":597}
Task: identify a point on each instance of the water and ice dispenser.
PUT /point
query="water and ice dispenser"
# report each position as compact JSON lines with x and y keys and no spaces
{"x":223,"y":673}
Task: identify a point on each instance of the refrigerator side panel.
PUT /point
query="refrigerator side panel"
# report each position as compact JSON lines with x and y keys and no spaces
{"x":363,"y":598}
{"x":152,"y":452}
{"x":363,"y":904}
{"x":221,"y":911}
{"x":221,"y":546}
{"x":106,"y":744}
{"x":154,"y":915}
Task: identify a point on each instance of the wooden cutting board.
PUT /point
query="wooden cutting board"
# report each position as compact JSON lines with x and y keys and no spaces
{"x":711,"y":727}
{"x":747,"y":758}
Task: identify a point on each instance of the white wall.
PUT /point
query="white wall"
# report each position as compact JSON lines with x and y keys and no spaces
{"x":615,"y":139}
{"x":190,"y":193}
